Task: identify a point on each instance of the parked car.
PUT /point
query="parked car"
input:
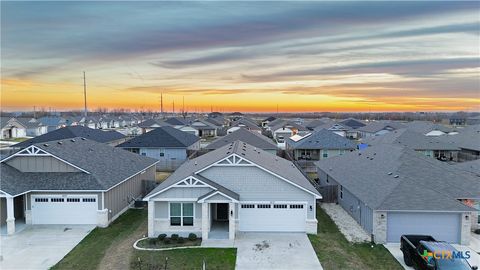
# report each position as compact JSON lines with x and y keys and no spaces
{"x":423,"y":252}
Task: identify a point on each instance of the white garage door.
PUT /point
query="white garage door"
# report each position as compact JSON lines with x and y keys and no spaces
{"x":259,"y":217}
{"x":71,"y":209}
{"x":442,"y":226}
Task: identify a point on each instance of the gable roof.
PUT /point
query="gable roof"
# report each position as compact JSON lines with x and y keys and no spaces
{"x":246,"y":123}
{"x":72,"y":132}
{"x":468,"y":138}
{"x":275,"y":165}
{"x":352,"y":123}
{"x":29,"y":122}
{"x":472,"y":166}
{"x":376,"y":126}
{"x":107,"y":166}
{"x":152,"y":122}
{"x":411,"y":139}
{"x":425,"y":127}
{"x":177,"y":121}
{"x":166,"y":136}
{"x":286,"y":124}
{"x":321,"y":139}
{"x":52,"y":120}
{"x":390,"y":177}
{"x":252,"y":138}
{"x":4,"y":121}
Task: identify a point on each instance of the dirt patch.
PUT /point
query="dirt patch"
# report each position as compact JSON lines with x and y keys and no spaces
{"x":118,"y":255}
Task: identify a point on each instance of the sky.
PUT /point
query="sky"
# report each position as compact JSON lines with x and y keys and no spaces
{"x":242,"y":56}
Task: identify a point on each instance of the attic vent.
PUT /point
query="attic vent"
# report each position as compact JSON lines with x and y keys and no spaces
{"x":46,"y":145}
{"x":243,"y":154}
{"x":195,"y":163}
{"x":72,"y":140}
{"x":389,"y":173}
{"x":60,"y":143}
{"x":396,"y":176}
{"x":83,"y":139}
{"x":228,"y":152}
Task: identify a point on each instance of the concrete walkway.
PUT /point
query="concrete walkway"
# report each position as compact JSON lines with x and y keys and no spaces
{"x":40,"y":246}
{"x":345,"y":223}
{"x":275,"y":251}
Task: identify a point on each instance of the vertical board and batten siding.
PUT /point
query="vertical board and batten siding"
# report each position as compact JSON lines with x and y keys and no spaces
{"x":255,"y":184}
{"x":121,"y":196}
{"x":40,"y":164}
{"x":357,"y":209}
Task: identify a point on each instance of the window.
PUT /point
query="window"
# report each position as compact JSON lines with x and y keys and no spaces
{"x":248,"y":205}
{"x":144,"y":154}
{"x":325,"y":153}
{"x":89,"y":200}
{"x":264,"y":206}
{"x":56,"y":199}
{"x":341,"y":192}
{"x":162,"y":152}
{"x":280,"y":206}
{"x":181,"y":214}
{"x":41,"y":199}
{"x":73,"y":199}
{"x":296,"y":206}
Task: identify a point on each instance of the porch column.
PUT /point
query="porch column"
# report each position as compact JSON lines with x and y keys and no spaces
{"x":205,"y":221}
{"x":10,"y":216}
{"x":151,"y":218}
{"x":231,"y":223}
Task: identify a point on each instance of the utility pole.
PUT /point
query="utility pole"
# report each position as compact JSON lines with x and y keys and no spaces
{"x":85,"y":97}
{"x":34,"y":112}
{"x":173,"y":106}
{"x":161,"y":104}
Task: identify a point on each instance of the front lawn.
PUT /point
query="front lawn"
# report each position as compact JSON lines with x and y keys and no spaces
{"x":90,"y":251}
{"x":214,"y":258}
{"x":168,"y":242}
{"x":335,"y":252}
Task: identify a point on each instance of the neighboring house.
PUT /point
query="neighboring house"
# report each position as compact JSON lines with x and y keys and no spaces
{"x":426,"y":145}
{"x":235,"y":116}
{"x":392,"y":190}
{"x":12,"y":128}
{"x":473,"y":120}
{"x":352,"y":123}
{"x":378,"y":128}
{"x":268,"y":120}
{"x":467,"y":140}
{"x":108,"y":137}
{"x":315,"y":123}
{"x":205,"y":129}
{"x":246,"y":124}
{"x":428,"y":128}
{"x":151,"y":124}
{"x":336,"y":128}
{"x":75,"y":121}
{"x":472,"y":167}
{"x":72,"y":181}
{"x":34,"y":127}
{"x":236,"y":188}
{"x":167,"y":144}
{"x":458,"y":119}
{"x":252,"y":138}
{"x":321,"y":144}
{"x":53,"y":122}
{"x":284,"y":130}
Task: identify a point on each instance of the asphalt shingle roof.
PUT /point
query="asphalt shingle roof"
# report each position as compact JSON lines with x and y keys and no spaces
{"x":376,"y":126}
{"x":107,"y":166}
{"x":468,"y":138}
{"x":167,"y":136}
{"x":72,"y":132}
{"x":322,"y":139}
{"x":252,"y":138}
{"x":387,"y":177}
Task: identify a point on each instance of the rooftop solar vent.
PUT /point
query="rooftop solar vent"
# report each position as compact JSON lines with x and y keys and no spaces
{"x":46,"y":145}
{"x":59,"y":143}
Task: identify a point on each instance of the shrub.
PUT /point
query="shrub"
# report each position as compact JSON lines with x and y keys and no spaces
{"x":162,"y":236}
{"x":174,"y":237}
{"x":192,"y":237}
{"x":181,"y":240}
{"x":152,"y":241}
{"x":167,"y":240}
{"x":477,"y":231}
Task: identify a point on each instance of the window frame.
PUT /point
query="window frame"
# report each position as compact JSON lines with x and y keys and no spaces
{"x":182,"y":216}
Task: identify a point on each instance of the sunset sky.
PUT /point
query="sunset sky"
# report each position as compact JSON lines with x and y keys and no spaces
{"x":242,"y":56}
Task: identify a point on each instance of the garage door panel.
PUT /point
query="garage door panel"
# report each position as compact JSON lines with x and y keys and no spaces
{"x":73,"y":209}
{"x":442,"y":226}
{"x":281,"y":219}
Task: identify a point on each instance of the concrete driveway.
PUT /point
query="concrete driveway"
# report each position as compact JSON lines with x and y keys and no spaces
{"x":275,"y":251}
{"x":394,"y":249}
{"x":40,"y":246}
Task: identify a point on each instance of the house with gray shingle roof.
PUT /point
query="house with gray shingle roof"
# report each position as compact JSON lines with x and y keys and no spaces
{"x":10,"y":127}
{"x":236,"y":188}
{"x":378,"y":128}
{"x":467,"y":140}
{"x":252,"y":138}
{"x":392,"y":190}
{"x":33,"y":126}
{"x":170,"y":146}
{"x":428,"y":128}
{"x":71,"y":181}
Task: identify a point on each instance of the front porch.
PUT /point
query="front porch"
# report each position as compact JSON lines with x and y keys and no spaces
{"x":218,"y":220}
{"x":13,"y":216}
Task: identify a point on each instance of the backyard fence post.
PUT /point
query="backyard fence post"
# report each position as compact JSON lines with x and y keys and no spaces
{"x":204,"y":266}
{"x":166,"y":262}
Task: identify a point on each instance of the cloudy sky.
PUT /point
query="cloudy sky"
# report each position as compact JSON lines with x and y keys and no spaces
{"x":242,"y":56}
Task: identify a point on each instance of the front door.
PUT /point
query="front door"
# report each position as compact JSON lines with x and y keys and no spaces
{"x":222,"y":211}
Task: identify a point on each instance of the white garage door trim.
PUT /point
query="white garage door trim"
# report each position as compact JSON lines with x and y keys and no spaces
{"x":64,"y":209}
{"x":442,"y":226}
{"x":272,"y":217}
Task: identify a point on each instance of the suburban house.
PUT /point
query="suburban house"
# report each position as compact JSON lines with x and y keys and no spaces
{"x":318,"y":122}
{"x":426,"y":145}
{"x":170,"y":146}
{"x":321,"y":144}
{"x":472,"y":167}
{"x":252,"y":138}
{"x":336,"y":128}
{"x":467,"y":140}
{"x":283,"y":130}
{"x":473,"y":120}
{"x":34,"y":127}
{"x":236,"y":188}
{"x":268,"y":120}
{"x":392,"y":190}
{"x":53,"y":122}
{"x":71,"y":181}
{"x":378,"y":128}
{"x":244,"y":123}
{"x":428,"y":128}
{"x":108,"y":137}
{"x":205,"y":129}
{"x":12,"y":128}
{"x":458,"y":119}
{"x":151,"y":124}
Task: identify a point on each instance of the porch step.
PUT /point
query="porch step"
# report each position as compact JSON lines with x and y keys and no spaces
{"x":218,"y":243}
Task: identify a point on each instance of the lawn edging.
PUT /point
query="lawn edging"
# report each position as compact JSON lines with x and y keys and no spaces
{"x":135,"y":246}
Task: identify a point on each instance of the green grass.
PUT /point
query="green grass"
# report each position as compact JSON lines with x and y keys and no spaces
{"x":16,"y":139}
{"x":335,"y":252}
{"x":215,"y":258}
{"x":90,"y":251}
